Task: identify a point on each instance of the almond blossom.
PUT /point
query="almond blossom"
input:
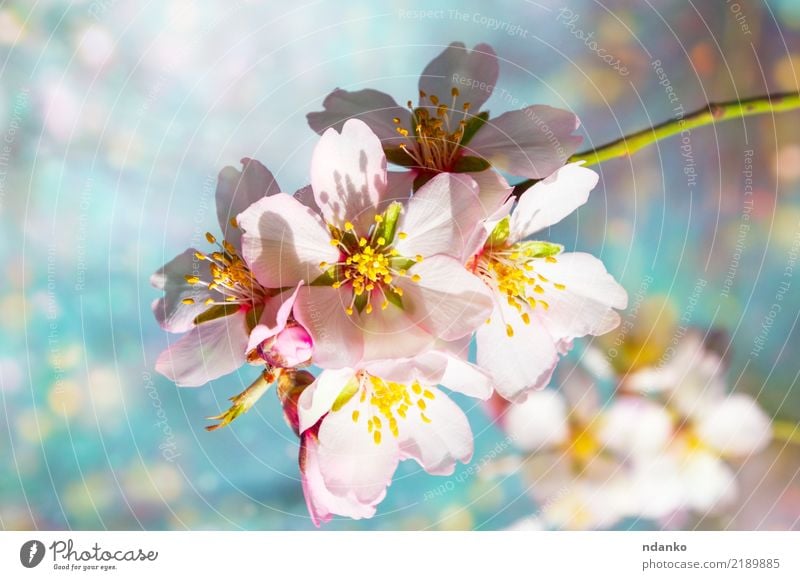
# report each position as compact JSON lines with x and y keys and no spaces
{"x":543,"y":297}
{"x":448,"y":132}
{"x":214,"y":299}
{"x":356,"y":425}
{"x":380,"y":279}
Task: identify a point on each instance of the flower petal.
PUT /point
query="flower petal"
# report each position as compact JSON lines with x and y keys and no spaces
{"x":635,"y":428}
{"x":209,"y":351}
{"x":322,"y":502}
{"x":284,"y":242}
{"x":448,"y":301}
{"x":378,"y":110}
{"x":273,"y":319}
{"x":348,"y":175}
{"x":539,"y":423}
{"x":438,"y":444}
{"x":551,"y":200}
{"x":237,"y":190}
{"x":318,"y":398}
{"x":170,"y":311}
{"x":466,"y":378}
{"x":531,"y":142}
{"x":493,"y":190}
{"x":473,"y":72}
{"x":338,"y":338}
{"x":735,"y":426}
{"x":585,"y":305}
{"x":352,"y":464}
{"x":440,"y":217}
{"x":392,"y":334}
{"x":520,"y":363}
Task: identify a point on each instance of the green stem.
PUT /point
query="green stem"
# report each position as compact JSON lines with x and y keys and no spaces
{"x":708,"y":115}
{"x":786,"y":431}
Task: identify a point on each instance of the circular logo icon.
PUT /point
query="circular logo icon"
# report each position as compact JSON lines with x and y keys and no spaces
{"x":31,"y":553}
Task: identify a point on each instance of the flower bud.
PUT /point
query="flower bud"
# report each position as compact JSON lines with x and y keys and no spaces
{"x":290,"y":348}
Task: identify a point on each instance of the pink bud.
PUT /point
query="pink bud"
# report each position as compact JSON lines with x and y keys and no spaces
{"x":290,"y":348}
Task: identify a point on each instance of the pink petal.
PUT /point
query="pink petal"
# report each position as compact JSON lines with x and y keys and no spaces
{"x":531,"y":142}
{"x":338,"y":338}
{"x":170,"y":311}
{"x":305,"y":195}
{"x":439,"y":444}
{"x":518,"y":364}
{"x":316,"y":400}
{"x":399,"y":186}
{"x":391,"y":333}
{"x":236,"y":190}
{"x":539,"y":423}
{"x":586,"y":304}
{"x":284,"y":242}
{"x":348,"y":175}
{"x":473,"y":72}
{"x":209,"y":351}
{"x":551,"y":200}
{"x":374,"y":108}
{"x":276,"y":312}
{"x":322,"y":503}
{"x":448,"y":301}
{"x":493,"y":190}
{"x":441,"y":217}
{"x":467,"y":379}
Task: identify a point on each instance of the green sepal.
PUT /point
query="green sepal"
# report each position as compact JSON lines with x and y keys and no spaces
{"x":360,"y":302}
{"x":399,"y":156}
{"x":253,"y":316}
{"x":402,"y":263}
{"x":421,"y":179}
{"x":327,"y":278}
{"x":499,"y":234}
{"x":216,"y":311}
{"x":469,"y":164}
{"x":349,"y":390}
{"x":394,"y":298}
{"x":387,"y":229}
{"x":541,"y":249}
{"x":472,"y":126}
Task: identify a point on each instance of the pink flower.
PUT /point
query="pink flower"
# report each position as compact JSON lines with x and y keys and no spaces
{"x":357,"y":424}
{"x":447,"y":132}
{"x":381,"y":279}
{"x":213,"y":297}
{"x":543,"y":297}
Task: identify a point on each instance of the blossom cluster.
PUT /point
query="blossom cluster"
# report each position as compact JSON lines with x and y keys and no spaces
{"x":379,"y":281}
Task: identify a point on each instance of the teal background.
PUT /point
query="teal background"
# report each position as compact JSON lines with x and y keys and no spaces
{"x":117,"y":116}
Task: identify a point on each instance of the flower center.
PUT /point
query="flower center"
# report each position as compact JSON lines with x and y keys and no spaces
{"x":388,"y":401}
{"x":437,"y":130}
{"x":369,"y":265}
{"x":229,"y":276}
{"x":511,"y":270}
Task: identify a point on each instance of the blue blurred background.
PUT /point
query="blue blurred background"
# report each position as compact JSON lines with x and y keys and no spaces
{"x":117,"y":116}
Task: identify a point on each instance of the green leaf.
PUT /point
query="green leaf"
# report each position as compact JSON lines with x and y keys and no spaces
{"x":217,"y":311}
{"x":468,"y":164}
{"x":327,"y":278}
{"x":472,"y":126}
{"x":398,"y":156}
{"x":499,"y":234}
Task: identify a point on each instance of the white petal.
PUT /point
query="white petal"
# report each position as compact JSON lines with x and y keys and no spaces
{"x":467,"y":379}
{"x":318,"y":398}
{"x":440,"y":217}
{"x":170,"y":311}
{"x":210,"y":350}
{"x":400,"y":185}
{"x":274,"y":317}
{"x":448,"y":301}
{"x":439,"y":444}
{"x":586,"y":304}
{"x":539,"y":423}
{"x":284,"y":241}
{"x":551,"y":200}
{"x":707,"y":481}
{"x":237,"y":190}
{"x":378,"y":110}
{"x":531,"y":142}
{"x":633,"y":428}
{"x":518,"y":364}
{"x":322,"y":502}
{"x":391,"y":333}
{"x":348,"y":175}
{"x":735,"y":426}
{"x":493,"y":190}
{"x":338,"y":339}
{"x":352,"y":464}
{"x":473,"y":72}
{"x":581,"y":394}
